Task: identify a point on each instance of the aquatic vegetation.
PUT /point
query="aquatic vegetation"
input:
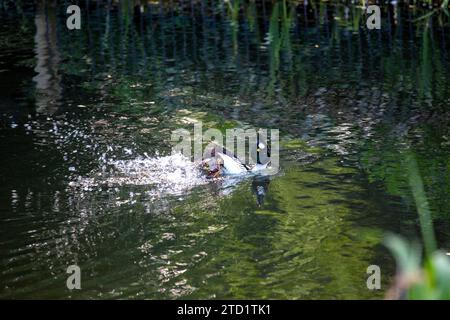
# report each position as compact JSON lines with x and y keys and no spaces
{"x":414,"y":280}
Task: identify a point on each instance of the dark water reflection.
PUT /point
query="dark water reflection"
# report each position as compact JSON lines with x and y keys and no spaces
{"x":85,"y":123}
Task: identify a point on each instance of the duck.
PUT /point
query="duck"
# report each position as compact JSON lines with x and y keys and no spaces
{"x":225,"y":163}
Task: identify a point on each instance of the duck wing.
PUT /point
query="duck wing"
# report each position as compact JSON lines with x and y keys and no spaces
{"x":259,"y":167}
{"x":231,"y":165}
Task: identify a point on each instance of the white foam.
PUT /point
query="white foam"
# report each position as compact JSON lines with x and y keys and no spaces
{"x":173,"y":175}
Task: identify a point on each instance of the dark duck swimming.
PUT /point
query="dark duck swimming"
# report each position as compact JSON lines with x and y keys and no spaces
{"x":224,"y":162}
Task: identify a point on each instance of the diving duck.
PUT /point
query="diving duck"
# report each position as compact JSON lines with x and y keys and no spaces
{"x":227,"y":164}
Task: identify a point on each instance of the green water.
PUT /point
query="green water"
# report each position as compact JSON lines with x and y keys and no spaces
{"x":86,"y":175}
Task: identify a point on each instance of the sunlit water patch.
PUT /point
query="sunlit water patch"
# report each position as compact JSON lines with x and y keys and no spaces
{"x":164,"y":175}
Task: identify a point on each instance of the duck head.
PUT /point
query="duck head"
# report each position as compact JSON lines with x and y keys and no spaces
{"x":262,"y":151}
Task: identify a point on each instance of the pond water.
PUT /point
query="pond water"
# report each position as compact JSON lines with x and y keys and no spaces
{"x":87,"y":176}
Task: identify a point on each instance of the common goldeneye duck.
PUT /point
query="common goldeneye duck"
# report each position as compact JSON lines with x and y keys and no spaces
{"x":227,"y":164}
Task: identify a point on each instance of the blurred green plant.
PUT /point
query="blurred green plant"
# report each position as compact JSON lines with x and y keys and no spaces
{"x":430,"y":281}
{"x":414,"y":280}
{"x":442,"y":8}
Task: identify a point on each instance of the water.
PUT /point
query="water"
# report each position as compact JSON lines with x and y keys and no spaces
{"x":86,"y":171}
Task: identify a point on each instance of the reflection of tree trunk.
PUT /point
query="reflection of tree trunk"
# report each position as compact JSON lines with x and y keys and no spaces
{"x":48,"y":87}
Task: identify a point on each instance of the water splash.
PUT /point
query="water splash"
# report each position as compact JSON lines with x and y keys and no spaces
{"x":166,"y":175}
